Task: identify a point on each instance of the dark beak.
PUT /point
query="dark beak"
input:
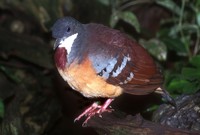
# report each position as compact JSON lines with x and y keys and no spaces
{"x":56,"y":44}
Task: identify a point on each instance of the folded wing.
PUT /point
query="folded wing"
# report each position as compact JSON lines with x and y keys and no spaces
{"x":123,"y":62}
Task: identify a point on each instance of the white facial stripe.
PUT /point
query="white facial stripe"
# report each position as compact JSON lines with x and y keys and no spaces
{"x":68,"y":42}
{"x":122,"y":66}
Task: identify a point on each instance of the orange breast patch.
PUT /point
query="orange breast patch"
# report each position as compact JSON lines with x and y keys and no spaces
{"x":83,"y":78}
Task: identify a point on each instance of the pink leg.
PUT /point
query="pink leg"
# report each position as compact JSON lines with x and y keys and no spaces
{"x":95,"y":109}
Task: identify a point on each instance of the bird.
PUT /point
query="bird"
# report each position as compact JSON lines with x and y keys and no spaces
{"x":98,"y":61}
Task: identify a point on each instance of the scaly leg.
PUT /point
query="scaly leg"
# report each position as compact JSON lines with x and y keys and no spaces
{"x":95,"y":108}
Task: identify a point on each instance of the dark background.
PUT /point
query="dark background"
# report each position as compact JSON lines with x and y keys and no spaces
{"x":33,"y":97}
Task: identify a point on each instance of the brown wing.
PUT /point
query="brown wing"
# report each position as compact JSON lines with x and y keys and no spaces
{"x":141,"y":74}
{"x":122,"y":61}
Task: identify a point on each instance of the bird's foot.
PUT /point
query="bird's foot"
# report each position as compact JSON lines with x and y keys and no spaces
{"x":95,"y":108}
{"x":166,"y":96}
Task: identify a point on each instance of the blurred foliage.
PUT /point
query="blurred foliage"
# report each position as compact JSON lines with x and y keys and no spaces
{"x":1,"y":109}
{"x":181,"y":34}
{"x":177,"y":43}
{"x":43,"y":11}
{"x":186,"y":80}
{"x":26,"y":42}
{"x":126,"y":16}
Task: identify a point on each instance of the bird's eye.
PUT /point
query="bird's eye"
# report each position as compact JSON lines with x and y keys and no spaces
{"x":68,"y":29}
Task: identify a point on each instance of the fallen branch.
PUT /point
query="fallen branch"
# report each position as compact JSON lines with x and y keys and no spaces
{"x":121,"y":124}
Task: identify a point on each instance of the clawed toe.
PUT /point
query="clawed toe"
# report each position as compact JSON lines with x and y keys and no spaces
{"x":95,"y":108}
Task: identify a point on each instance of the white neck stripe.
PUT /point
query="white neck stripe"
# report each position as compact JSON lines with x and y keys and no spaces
{"x":68,"y":42}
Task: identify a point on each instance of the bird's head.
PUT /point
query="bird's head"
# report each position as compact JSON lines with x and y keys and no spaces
{"x":67,"y":31}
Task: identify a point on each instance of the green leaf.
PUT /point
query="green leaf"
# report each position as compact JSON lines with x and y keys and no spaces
{"x":163,"y":33}
{"x":105,"y":2}
{"x":114,"y":19}
{"x":1,"y":109}
{"x":181,"y":86}
{"x":198,"y":18}
{"x":197,"y":3}
{"x":130,"y":18}
{"x":175,"y":44}
{"x":175,"y":30}
{"x":152,"y":108}
{"x":191,"y":73}
{"x":126,"y":16}
{"x":170,"y":5}
{"x":156,"y":48}
{"x":195,"y":61}
{"x":10,"y":73}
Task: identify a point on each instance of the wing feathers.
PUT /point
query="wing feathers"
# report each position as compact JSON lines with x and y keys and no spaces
{"x":134,"y":70}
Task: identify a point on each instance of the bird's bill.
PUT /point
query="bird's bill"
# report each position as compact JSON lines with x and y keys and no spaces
{"x":57,"y":43}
